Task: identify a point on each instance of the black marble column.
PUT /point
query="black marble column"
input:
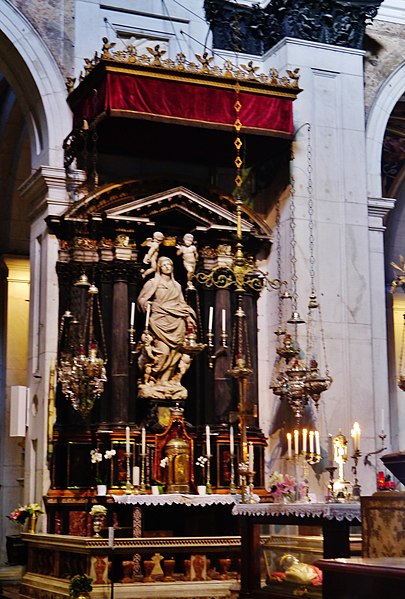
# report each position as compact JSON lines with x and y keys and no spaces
{"x":119,"y":368}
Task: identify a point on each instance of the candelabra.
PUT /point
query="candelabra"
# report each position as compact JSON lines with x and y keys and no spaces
{"x":142,"y":487}
{"x":128,"y":484}
{"x":356,"y":487}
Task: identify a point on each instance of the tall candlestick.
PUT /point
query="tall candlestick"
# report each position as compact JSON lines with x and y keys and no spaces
{"x":231,"y":441}
{"x":208,"y":440}
{"x":304,"y":440}
{"x":143,"y":440}
{"x":330,"y":450}
{"x":289,"y":448}
{"x":132,"y":319}
{"x":317,"y":443}
{"x":223,"y":320}
{"x":147,"y":315}
{"x":210,"y":318}
{"x":296,"y":442}
{"x":127,"y":446}
{"x":251,"y":458}
{"x":311,"y":441}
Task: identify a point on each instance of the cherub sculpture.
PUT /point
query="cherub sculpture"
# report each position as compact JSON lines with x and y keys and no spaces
{"x":153,"y":243}
{"x":190,"y":256}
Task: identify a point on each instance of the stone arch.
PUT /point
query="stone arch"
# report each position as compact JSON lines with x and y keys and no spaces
{"x":33,"y":74}
{"x":390,"y":92}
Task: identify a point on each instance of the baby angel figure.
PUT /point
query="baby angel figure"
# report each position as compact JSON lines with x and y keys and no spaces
{"x":153,"y":243}
{"x":190,"y":256}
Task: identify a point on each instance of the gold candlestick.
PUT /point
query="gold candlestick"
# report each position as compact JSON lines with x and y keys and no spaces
{"x":243,"y":469}
{"x":128,"y":484}
{"x":232,"y":486}
{"x":208,"y":486}
{"x":356,"y":486}
{"x":331,"y":470}
{"x":142,"y":487}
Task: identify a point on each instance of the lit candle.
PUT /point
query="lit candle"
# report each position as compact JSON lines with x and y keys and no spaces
{"x":289,"y":448}
{"x":330,"y":450}
{"x":231,"y":441}
{"x":223,"y":321}
{"x":127,"y":447}
{"x":135,"y":476}
{"x":251,"y":457}
{"x":132,"y":319}
{"x":210,"y":318}
{"x":356,"y":436}
{"x":147,"y":315}
{"x":208,"y":440}
{"x":143,"y":440}
{"x":311,"y":441}
{"x":382,"y":421}
{"x":296,"y":442}
{"x":317,"y":443}
{"x":304,"y":440}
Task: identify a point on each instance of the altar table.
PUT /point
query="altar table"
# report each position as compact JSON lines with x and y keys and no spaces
{"x":335,"y":520}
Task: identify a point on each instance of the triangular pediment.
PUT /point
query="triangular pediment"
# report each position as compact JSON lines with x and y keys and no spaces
{"x":173,"y":208}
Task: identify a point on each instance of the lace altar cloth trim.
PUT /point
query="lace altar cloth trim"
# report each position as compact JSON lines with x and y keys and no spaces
{"x":174,"y":498}
{"x":330,"y":511}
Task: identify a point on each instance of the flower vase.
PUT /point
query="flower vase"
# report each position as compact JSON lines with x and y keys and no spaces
{"x":32,"y":523}
{"x":286,"y":499}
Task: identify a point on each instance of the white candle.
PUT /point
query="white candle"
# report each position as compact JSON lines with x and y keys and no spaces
{"x":132,"y":319}
{"x":289,"y":448}
{"x":317,"y":443}
{"x":231,"y":441}
{"x":147,"y":315}
{"x":135,"y":476}
{"x":296,"y":442}
{"x":311,"y":441}
{"x":356,"y":436}
{"x":251,"y":458}
{"x":111,"y":536}
{"x":223,"y":320}
{"x":127,"y":446}
{"x":304,"y":440}
{"x":208,"y":440}
{"x":143,"y":440}
{"x":330,"y":450}
{"x":382,"y":420}
{"x":210,"y":318}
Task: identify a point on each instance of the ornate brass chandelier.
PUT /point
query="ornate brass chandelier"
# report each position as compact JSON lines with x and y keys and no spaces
{"x":81,"y":369}
{"x":295,"y":379}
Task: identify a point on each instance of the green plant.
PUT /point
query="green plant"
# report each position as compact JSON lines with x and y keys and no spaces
{"x":81,"y":583}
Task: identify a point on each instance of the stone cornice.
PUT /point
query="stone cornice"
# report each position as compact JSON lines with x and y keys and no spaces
{"x":45,"y":191}
{"x":378,"y":208}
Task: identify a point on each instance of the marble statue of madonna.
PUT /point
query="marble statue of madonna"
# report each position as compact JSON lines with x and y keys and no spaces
{"x":169,"y":318}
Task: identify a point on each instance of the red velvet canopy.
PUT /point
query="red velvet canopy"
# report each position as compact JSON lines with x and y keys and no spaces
{"x":176,"y":98}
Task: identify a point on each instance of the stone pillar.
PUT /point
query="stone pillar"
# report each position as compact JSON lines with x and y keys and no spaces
{"x":47,"y":195}
{"x":332,"y":103}
{"x":119,"y":347}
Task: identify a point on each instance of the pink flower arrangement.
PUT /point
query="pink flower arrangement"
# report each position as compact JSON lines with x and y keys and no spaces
{"x":282,"y":485}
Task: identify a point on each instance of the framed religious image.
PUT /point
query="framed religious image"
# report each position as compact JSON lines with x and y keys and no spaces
{"x":198,"y":567}
{"x":224,"y":464}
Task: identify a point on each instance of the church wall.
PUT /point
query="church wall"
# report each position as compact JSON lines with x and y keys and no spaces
{"x":332,"y":103}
